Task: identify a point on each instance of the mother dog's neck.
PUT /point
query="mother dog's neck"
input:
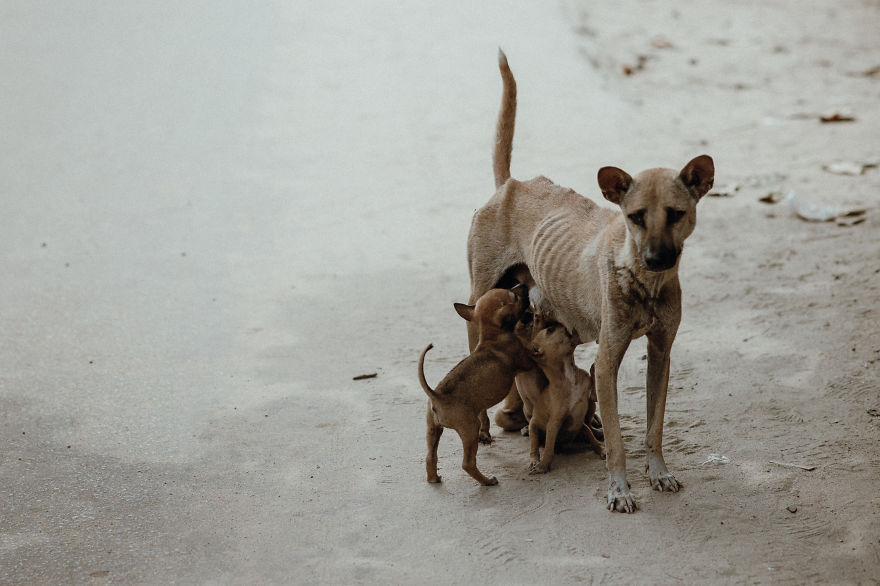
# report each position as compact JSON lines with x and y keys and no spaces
{"x":640,"y":285}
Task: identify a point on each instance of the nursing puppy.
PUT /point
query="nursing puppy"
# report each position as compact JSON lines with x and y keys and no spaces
{"x":610,"y":275}
{"x":479,"y":381}
{"x":559,"y":405}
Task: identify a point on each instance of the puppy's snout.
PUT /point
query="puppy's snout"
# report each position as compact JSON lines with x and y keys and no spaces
{"x":661,"y":258}
{"x":522,"y":294}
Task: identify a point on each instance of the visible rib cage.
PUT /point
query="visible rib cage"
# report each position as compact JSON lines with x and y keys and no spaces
{"x":556,"y":249}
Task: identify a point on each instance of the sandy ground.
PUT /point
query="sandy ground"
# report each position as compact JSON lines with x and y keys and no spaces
{"x":216,"y":215}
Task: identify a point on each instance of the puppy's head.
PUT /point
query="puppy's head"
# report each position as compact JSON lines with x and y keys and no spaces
{"x":553,"y":342}
{"x":659,"y":207}
{"x":498,"y":308}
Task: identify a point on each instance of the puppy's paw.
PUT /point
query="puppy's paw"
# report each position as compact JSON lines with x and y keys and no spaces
{"x":490,"y":481}
{"x":436,"y":479}
{"x":485,"y":437}
{"x":665,"y":482}
{"x":620,"y":499}
{"x":535,"y":467}
{"x":510,"y":420}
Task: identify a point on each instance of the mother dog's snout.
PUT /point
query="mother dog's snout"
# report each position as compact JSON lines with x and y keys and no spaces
{"x":661,"y":258}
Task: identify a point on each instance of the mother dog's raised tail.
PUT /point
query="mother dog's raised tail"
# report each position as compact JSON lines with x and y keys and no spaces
{"x":506,"y":119}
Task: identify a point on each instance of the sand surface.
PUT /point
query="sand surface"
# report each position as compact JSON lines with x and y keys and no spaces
{"x":217,"y":214}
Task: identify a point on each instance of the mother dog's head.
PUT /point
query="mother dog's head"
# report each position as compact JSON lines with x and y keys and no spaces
{"x":659,"y":207}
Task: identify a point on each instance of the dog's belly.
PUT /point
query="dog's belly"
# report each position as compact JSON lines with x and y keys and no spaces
{"x":562,"y":261}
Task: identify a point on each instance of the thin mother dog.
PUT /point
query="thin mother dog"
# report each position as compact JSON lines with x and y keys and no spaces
{"x":610,"y":276}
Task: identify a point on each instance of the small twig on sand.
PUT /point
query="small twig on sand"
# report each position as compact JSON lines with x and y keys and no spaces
{"x":787,"y":465}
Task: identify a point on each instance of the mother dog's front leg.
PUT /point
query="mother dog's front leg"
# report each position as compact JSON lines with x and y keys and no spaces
{"x":659,"y":345}
{"x":611,"y":350}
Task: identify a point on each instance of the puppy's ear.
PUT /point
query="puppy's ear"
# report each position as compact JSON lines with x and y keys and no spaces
{"x":614,"y":183}
{"x":698,"y":176}
{"x":523,"y":330}
{"x":465,"y":311}
{"x":540,"y":322}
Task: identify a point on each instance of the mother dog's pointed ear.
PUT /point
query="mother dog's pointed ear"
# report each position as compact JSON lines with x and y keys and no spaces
{"x":614,"y":183}
{"x":465,"y":311}
{"x":698,"y":176}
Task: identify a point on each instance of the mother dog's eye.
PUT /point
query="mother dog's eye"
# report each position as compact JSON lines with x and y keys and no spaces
{"x":638,"y":218}
{"x":673,"y":216}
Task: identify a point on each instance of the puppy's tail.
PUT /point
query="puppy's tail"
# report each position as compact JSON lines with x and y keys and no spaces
{"x":506,"y":119}
{"x":428,"y":390}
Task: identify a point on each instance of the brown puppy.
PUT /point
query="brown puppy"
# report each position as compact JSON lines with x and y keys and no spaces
{"x":479,"y":381}
{"x":610,"y":276}
{"x":560,"y":408}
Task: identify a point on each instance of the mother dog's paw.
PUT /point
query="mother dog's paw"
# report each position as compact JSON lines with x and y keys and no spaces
{"x":665,"y":482}
{"x":620,"y":499}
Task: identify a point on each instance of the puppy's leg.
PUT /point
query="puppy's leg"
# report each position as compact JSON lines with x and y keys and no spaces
{"x":485,"y":436}
{"x":595,"y":426}
{"x":471,"y":442}
{"x":594,"y":443}
{"x":474,"y":337}
{"x":608,"y":359}
{"x":534,"y":444}
{"x":543,"y":466}
{"x":656,"y":386}
{"x":592,"y":421}
{"x":433,"y":436}
{"x":511,"y":416}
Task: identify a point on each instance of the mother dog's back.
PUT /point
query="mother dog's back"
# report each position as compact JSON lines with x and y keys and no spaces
{"x":508,"y":229}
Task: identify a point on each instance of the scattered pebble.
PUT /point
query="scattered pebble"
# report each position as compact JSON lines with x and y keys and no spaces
{"x":791,"y":509}
{"x":871,"y":72}
{"x":836,"y":117}
{"x":849,"y":167}
{"x":771,"y":198}
{"x":662,"y":43}
{"x":639,"y":66}
{"x":724,"y":190}
{"x":365,"y":376}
